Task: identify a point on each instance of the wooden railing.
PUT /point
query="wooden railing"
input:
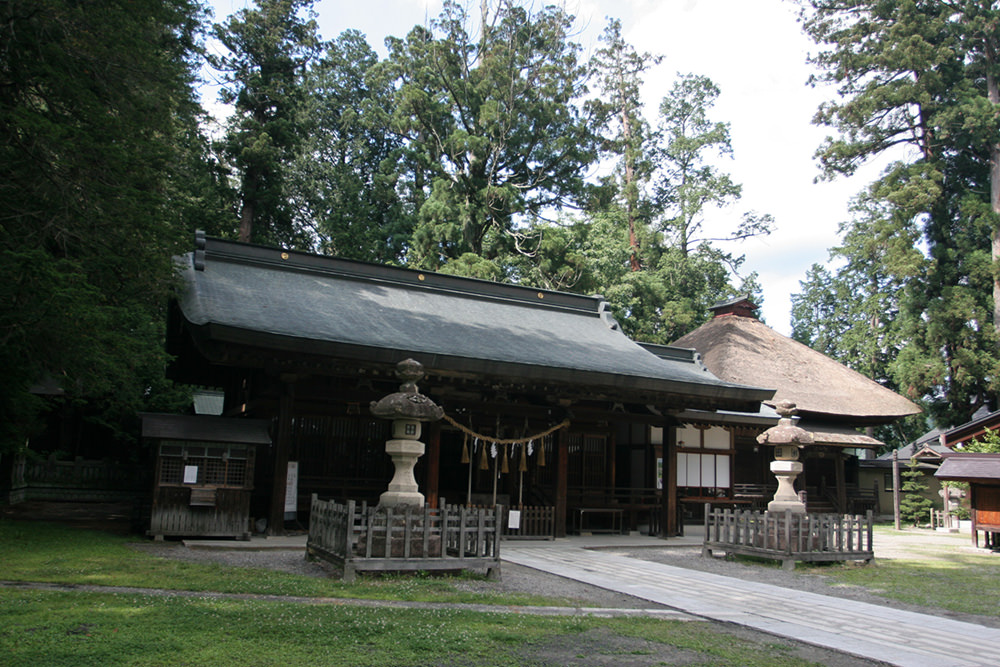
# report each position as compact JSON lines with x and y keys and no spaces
{"x":533,"y":522}
{"x":85,"y":480}
{"x":789,"y":537}
{"x":359,"y":537}
{"x":639,"y":506}
{"x":944,"y":520}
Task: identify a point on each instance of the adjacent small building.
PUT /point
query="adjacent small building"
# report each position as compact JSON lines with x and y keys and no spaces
{"x":877,"y":474}
{"x":980,"y":471}
{"x":837,"y":405}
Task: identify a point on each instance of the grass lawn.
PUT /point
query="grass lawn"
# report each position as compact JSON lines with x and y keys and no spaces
{"x":53,"y":553}
{"x":78,"y":629}
{"x":942,"y":577}
{"x":40,"y":628}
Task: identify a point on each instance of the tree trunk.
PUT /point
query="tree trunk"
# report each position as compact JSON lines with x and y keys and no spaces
{"x":247,"y":213}
{"x":993,"y":91}
{"x":630,"y":189}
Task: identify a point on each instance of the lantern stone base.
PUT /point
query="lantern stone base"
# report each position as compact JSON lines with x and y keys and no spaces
{"x":403,"y":489}
{"x":785,"y":497}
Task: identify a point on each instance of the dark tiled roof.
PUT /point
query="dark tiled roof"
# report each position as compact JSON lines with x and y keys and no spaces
{"x":982,"y":420}
{"x":970,"y":468}
{"x":322,"y":305}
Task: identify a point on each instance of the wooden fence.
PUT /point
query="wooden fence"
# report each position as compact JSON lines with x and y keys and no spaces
{"x":84,"y":480}
{"x":534,"y":523}
{"x":362,"y":538}
{"x":789,"y":537}
{"x":944,"y":520}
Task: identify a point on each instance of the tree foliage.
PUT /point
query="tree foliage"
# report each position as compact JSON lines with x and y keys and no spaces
{"x":267,"y":49}
{"x":625,"y":135}
{"x":914,"y":506}
{"x":987,"y":443}
{"x":492,"y":122}
{"x":97,"y":131}
{"x":915,"y":81}
{"x":343,"y":181}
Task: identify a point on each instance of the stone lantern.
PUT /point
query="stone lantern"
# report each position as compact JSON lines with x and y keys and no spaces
{"x":407,"y":408}
{"x":787,"y":439}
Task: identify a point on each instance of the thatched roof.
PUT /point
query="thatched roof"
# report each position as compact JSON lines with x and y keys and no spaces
{"x":745,"y":350}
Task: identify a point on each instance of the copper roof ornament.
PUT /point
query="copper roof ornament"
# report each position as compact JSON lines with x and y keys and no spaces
{"x":787,"y":439}
{"x":407,"y":408}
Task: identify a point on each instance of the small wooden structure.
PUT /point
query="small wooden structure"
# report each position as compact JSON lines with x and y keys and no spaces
{"x":358,"y":537}
{"x":833,"y":403}
{"x":204,"y":474}
{"x":982,"y":473}
{"x":788,"y":536}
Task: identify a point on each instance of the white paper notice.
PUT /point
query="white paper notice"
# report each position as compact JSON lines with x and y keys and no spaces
{"x":190,"y":474}
{"x":514,"y":520}
{"x":292,"y":487}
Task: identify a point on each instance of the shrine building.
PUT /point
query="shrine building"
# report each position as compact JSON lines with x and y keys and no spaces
{"x":547,"y":403}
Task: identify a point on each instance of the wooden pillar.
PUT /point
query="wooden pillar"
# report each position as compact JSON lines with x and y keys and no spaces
{"x":668,"y":522}
{"x":973,"y":515}
{"x":838,"y":469}
{"x":895,"y":488}
{"x":433,"y":455}
{"x":610,"y":458}
{"x":562,"y":480}
{"x":282,"y":446}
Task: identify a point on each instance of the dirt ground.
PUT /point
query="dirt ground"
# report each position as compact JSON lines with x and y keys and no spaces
{"x":596,"y":648}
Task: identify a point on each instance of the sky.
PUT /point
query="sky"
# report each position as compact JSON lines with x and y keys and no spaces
{"x":756,"y":52}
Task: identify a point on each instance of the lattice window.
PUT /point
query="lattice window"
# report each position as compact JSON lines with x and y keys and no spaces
{"x":171,"y":470}
{"x":212,"y":464}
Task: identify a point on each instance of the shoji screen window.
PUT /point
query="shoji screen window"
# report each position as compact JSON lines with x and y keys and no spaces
{"x":704,"y":462}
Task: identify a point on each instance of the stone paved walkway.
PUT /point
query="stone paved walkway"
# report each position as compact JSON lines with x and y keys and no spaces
{"x":871,"y":631}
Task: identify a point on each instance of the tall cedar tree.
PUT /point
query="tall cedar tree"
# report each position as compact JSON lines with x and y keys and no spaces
{"x":625,"y":134}
{"x":683,"y":269}
{"x":692,"y":270}
{"x":97,"y":125}
{"x":267,"y":49}
{"x":492,"y":124}
{"x":343,"y":181}
{"x":917,"y":78}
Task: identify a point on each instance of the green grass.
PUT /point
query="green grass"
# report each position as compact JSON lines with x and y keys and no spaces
{"x":937,"y":575}
{"x":77,"y":629}
{"x":54,"y":553}
{"x":964,"y":583}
